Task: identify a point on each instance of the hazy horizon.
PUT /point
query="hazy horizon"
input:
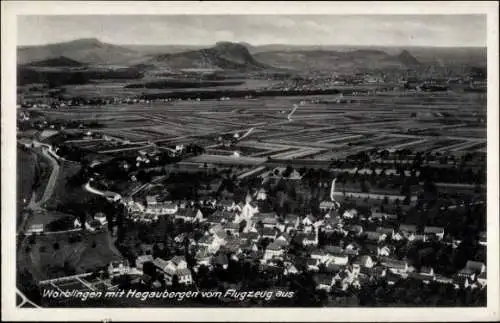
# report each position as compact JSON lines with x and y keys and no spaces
{"x":259,"y":30}
{"x":260,"y":45}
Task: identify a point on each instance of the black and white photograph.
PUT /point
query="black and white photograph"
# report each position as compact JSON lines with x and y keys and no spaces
{"x":235,"y":159}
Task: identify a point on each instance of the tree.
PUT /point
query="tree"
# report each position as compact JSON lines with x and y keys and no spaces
{"x":365,"y":186}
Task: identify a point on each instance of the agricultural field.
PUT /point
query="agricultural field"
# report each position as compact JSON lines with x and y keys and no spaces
{"x":321,"y":128}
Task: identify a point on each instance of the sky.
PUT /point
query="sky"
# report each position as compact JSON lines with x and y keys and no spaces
{"x":376,"y":30}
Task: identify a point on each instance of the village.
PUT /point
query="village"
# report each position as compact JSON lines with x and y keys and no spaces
{"x":340,"y":248}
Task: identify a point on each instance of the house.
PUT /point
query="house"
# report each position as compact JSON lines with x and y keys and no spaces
{"x":184,"y":276}
{"x":462,"y":282}
{"x":274,"y":250}
{"x":249,"y":246}
{"x":352,"y":249}
{"x":34,"y":229}
{"x":310,"y":239}
{"x":203,"y":257}
{"x":291,"y":221}
{"x":392,"y":279}
{"x":220,"y":236}
{"x":189,"y":215}
{"x":101,"y":217}
{"x":269,"y":233}
{"x":269,"y":221}
{"x":221,"y":260}
{"x":228,"y":205}
{"x":443,"y":279}
{"x":339,"y":259}
{"x":362,"y":261}
{"x":482,"y":238}
{"x":92,"y":225}
{"x":179,"y":261}
{"x":233,"y":246}
{"x":163,"y":208}
{"x":350,"y":214}
{"x":426,"y":279}
{"x":375,"y":236}
{"x":312,"y":264}
{"x":139,"y":262}
{"x":434,"y":231}
{"x":332,"y":224}
{"x":231,"y":227}
{"x":309,"y":221}
{"x":379,"y":216}
{"x":180,"y":237}
{"x":77,"y":224}
{"x":331,"y":249}
{"x":175,"y":266}
{"x":151,"y":200}
{"x":215,"y":218}
{"x":326,"y":206}
{"x":467,"y":273}
{"x":408,"y":230}
{"x":249,"y":236}
{"x":284,"y":239}
{"x":324,"y":282}
{"x":118,"y":268}
{"x":320,"y":255}
{"x":455,"y":243}
{"x":261,"y":195}
{"x":389,"y":232}
{"x":249,"y":211}
{"x":211,"y":243}
{"x":375,"y":272}
{"x":355,"y":229}
{"x":395,"y":266}
{"x":419,"y":237}
{"x":477,"y":266}
{"x":427,"y":271}
{"x":290,"y":269}
{"x":169,"y":268}
{"x":384,"y":251}
{"x":481,"y":279}
{"x":397,"y":236}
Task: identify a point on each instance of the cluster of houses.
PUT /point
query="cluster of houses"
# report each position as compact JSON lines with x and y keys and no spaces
{"x":174,"y":267}
{"x":367,"y":252}
{"x":154,"y":209}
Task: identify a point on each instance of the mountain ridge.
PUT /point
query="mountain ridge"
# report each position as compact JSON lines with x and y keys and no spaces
{"x":247,"y":57}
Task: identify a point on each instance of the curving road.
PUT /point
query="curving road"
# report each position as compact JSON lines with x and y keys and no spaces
{"x":52,"y":179}
{"x":24,"y":300}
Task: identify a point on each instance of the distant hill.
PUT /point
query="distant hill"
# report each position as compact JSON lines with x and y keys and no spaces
{"x":336,"y":60}
{"x":440,"y":56}
{"x":61,"y":61}
{"x":87,"y":51}
{"x":223,"y":56}
{"x":153,"y":50}
{"x":408,"y":59}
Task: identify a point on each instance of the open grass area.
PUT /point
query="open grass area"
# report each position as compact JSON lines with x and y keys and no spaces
{"x":56,"y":255}
{"x":26,"y":176}
{"x":65,"y":191}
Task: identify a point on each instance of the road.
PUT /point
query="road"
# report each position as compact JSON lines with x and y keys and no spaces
{"x":24,"y":300}
{"x":49,"y":189}
{"x":52,"y":179}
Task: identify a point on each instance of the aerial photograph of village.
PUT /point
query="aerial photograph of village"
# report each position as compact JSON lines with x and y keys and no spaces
{"x":251,"y":161}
